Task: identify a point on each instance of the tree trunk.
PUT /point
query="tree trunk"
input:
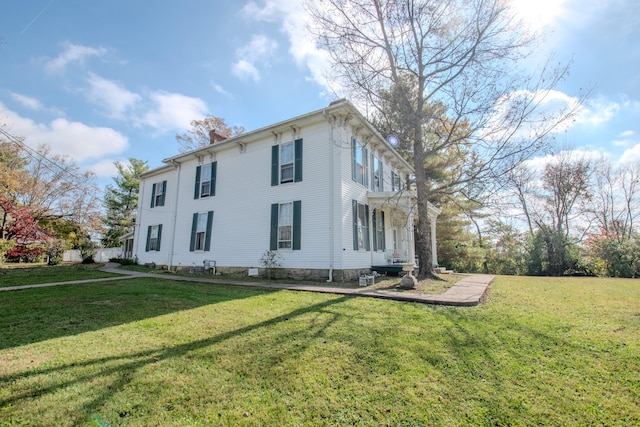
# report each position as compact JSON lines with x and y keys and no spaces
{"x":423,"y":229}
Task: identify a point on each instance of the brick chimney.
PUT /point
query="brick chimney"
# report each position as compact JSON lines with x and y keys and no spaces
{"x":215,"y":136}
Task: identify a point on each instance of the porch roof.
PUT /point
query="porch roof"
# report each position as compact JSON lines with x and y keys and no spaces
{"x":403,"y":200}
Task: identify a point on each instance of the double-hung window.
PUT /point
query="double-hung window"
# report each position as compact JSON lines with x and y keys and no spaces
{"x":206,"y":180}
{"x":158,"y":191}
{"x":395,"y":182}
{"x":286,"y":225}
{"x":286,"y":162}
{"x":154,"y":233}
{"x":201,"y":231}
{"x":359,"y":163}
{"x":360,"y":214}
{"x":205,"y":184}
{"x":376,"y":174}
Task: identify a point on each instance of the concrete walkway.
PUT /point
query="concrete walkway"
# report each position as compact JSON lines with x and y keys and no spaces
{"x":467,"y":292}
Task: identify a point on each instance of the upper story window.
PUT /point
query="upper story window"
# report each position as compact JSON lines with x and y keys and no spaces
{"x":359,"y":163}
{"x":376,"y":174}
{"x":395,"y":182}
{"x":286,"y":162}
{"x":158,"y":192}
{"x":205,"y":185}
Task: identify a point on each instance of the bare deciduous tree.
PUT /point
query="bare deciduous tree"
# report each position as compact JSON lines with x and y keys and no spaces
{"x":198,"y":135}
{"x":616,"y":202}
{"x":443,"y":58}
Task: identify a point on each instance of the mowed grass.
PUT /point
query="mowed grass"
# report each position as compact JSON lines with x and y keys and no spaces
{"x":27,"y":274}
{"x":143,"y":352}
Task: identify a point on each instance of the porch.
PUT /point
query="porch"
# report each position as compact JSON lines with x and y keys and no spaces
{"x":400,"y":209}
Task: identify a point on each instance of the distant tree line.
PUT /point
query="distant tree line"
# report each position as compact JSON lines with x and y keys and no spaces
{"x":573,"y":216}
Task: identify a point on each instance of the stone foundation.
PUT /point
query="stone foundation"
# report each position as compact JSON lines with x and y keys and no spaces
{"x":320,"y":275}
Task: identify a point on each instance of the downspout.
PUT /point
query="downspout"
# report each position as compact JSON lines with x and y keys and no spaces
{"x":174,"y":218}
{"x":331,"y":202}
{"x":136,"y":225}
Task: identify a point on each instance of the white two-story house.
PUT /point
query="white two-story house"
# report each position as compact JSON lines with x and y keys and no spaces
{"x":325,"y":190}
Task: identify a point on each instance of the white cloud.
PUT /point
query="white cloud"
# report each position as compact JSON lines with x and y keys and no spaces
{"x":625,"y":139}
{"x":111,"y":96}
{"x":259,"y":49}
{"x":27,"y":101}
{"x":294,"y":19}
{"x":524,"y":114}
{"x":173,"y":111}
{"x":598,"y":111}
{"x":74,"y":139}
{"x":221,"y":90}
{"x":73,"y":53}
{"x":245,"y":70}
{"x":104,"y":168}
{"x":631,"y":155}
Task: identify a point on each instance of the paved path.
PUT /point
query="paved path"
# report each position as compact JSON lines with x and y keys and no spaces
{"x":466,"y":292}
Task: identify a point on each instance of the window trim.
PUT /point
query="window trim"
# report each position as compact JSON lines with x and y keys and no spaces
{"x":276,"y":163}
{"x":379,"y":233}
{"x":359,"y":172}
{"x":396,"y":182}
{"x":195,"y":231}
{"x":200,"y":181}
{"x":150,"y":246}
{"x":158,"y":189}
{"x":361,"y":231}
{"x":377,"y":174}
{"x":296,"y":226}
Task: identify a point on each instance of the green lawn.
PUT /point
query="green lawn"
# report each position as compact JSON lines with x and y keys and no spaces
{"x":27,"y":274}
{"x":143,"y":352}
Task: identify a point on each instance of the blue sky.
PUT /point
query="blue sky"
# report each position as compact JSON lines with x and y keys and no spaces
{"x":106,"y":81}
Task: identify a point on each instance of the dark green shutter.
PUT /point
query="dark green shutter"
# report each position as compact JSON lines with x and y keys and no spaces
{"x":375,"y":234}
{"x":365,"y":167}
{"x":273,"y":244}
{"x":381,"y":178}
{"x":207,"y":237}
{"x":373,"y":172}
{"x":297,"y":166}
{"x":194,"y":226}
{"x":354,"y":209}
{"x":275,"y":165}
{"x":384,"y":234}
{"x":196,"y":191}
{"x":164,"y":191}
{"x":214,"y":170}
{"x":148,"y":239}
{"x":367,"y":245}
{"x":354,"y":165}
{"x":159,"y":236}
{"x":153,"y":195}
{"x":297,"y":226}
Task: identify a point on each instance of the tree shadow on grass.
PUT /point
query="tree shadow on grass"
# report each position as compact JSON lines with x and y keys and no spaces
{"x":38,"y":314}
{"x":119,"y":371}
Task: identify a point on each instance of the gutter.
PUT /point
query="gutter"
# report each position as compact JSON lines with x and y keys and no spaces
{"x":331,"y":202}
{"x":174,"y":218}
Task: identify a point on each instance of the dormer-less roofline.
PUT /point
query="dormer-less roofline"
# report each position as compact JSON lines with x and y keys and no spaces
{"x":340,"y":108}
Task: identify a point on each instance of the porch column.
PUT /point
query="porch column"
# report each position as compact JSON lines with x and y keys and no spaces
{"x":434,"y":246}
